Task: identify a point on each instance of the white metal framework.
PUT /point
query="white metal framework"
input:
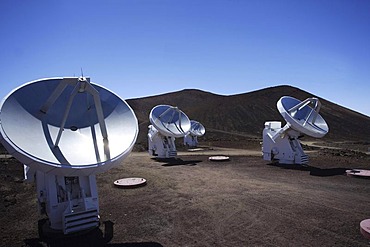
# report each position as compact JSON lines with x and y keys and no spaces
{"x":159,"y":145}
{"x":196,"y":130}
{"x":281,"y":144}
{"x":72,"y":130}
{"x":168,"y":122}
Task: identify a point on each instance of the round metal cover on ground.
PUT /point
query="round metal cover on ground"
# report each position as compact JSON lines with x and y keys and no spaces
{"x":67,"y":126}
{"x":365,"y":228}
{"x":169,"y":121}
{"x":358,"y":173}
{"x":219,"y":158}
{"x":302,"y":117}
{"x":130,"y":182}
{"x":195,"y":149}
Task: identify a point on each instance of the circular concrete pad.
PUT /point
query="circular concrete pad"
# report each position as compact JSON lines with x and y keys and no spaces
{"x":365,"y":228}
{"x":359,"y":173}
{"x":130,"y":182}
{"x":219,"y":158}
{"x":195,"y":149}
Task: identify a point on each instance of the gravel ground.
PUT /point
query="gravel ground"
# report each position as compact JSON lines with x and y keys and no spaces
{"x":191,"y":201}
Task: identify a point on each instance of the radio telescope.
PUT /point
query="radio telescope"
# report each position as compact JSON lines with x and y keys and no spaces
{"x":167,"y":123}
{"x":65,"y":131}
{"x":196,"y":130}
{"x":282,"y":144}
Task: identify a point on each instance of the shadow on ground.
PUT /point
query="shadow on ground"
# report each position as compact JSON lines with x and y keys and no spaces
{"x":39,"y":243}
{"x":314,"y":171}
{"x":91,"y":238}
{"x":176,"y":162}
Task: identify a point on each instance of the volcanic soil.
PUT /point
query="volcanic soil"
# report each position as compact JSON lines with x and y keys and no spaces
{"x":191,"y":201}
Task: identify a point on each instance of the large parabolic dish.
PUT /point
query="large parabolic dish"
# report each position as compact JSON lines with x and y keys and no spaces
{"x":169,"y":121}
{"x":58,"y":126}
{"x":302,"y":117}
{"x":197,"y":129}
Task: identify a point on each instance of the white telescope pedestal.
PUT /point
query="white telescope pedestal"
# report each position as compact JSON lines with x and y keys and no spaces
{"x":167,"y":123}
{"x":71,"y":203}
{"x":159,"y":145}
{"x":281,"y":144}
{"x":65,"y":131}
{"x":196,"y":130}
{"x":191,"y":140}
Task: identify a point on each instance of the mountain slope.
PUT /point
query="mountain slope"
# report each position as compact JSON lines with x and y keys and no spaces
{"x":244,"y":115}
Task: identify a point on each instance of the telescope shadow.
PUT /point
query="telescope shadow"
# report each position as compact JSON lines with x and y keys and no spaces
{"x":143,"y":244}
{"x":176,"y":162}
{"x":314,"y":171}
{"x":92,"y":238}
{"x":35,"y":242}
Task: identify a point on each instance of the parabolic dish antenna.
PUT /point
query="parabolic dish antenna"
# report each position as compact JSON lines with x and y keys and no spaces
{"x":281,"y":143}
{"x":168,"y":123}
{"x":169,"y":120}
{"x":302,"y":117}
{"x":66,"y":130}
{"x":62,"y":126}
{"x":197,"y":129}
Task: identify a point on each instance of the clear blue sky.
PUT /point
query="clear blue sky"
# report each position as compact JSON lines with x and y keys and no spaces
{"x":139,"y":48}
